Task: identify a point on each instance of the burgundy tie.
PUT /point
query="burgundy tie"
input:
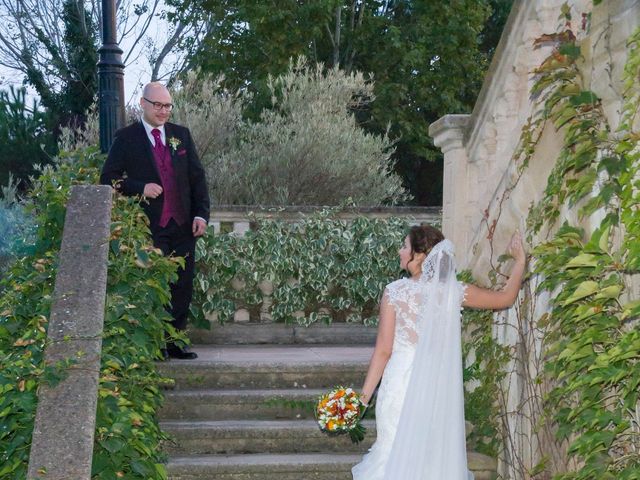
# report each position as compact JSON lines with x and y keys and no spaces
{"x":158,"y":147}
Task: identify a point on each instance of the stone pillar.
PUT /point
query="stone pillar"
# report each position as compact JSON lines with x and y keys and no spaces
{"x":448,"y":134}
{"x":62,"y":445}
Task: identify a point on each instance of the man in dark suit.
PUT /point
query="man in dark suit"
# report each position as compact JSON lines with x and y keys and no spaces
{"x":158,"y":160}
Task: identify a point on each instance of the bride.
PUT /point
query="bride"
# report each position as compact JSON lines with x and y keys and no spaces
{"x":418,"y":362}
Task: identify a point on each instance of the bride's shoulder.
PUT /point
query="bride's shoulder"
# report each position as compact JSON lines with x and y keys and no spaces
{"x":395,"y":285}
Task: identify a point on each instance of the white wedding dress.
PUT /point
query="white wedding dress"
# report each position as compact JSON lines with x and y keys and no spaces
{"x":420,"y":402}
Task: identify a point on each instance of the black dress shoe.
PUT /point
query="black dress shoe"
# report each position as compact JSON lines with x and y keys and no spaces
{"x":180,"y":353}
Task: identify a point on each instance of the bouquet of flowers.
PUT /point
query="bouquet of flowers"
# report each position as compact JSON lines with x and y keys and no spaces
{"x":340,"y":411}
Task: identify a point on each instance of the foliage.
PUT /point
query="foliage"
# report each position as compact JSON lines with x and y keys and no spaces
{"x":79,"y":137}
{"x":322,"y":268}
{"x":484,"y":362}
{"x":25,"y":141}
{"x":592,"y":341}
{"x":127,"y":433}
{"x":15,"y":227}
{"x":68,"y":82}
{"x":425,"y":56}
{"x":494,"y":25}
{"x":305,"y":150}
{"x":52,"y":45}
{"x":80,"y":40}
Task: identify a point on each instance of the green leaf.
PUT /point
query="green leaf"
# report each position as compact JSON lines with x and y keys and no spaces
{"x":585,"y":289}
{"x":586,"y":97}
{"x":113,"y":444}
{"x":612,"y":291}
{"x":583,"y":260}
{"x":570,"y":49}
{"x":143,"y":468}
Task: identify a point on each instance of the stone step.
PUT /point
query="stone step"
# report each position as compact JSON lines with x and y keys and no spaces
{"x":327,"y":466}
{"x":279,"y":333}
{"x":214,"y":404}
{"x":251,"y":367}
{"x":258,"y":436}
{"x":263,"y":467}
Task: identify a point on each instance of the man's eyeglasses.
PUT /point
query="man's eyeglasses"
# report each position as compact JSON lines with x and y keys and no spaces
{"x":159,"y":106}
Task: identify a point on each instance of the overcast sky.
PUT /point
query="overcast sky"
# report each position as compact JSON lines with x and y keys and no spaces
{"x":137,"y":72}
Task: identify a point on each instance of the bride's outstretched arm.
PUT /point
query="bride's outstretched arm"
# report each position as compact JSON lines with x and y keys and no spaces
{"x":382,"y":351}
{"x":476,"y":297}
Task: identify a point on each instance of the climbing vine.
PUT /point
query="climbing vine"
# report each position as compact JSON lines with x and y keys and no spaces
{"x":593,"y":350}
{"x":590,"y":338}
{"x":581,"y":359}
{"x":484,"y":362}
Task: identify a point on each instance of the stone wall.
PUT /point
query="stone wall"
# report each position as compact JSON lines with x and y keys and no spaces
{"x":486,"y":198}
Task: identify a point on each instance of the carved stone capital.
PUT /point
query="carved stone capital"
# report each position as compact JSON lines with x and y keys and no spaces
{"x":448,"y":132}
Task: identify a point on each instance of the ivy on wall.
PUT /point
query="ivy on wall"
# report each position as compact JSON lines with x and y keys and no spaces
{"x":593,"y":343}
{"x":484,"y":369}
{"x":587,"y":393}
{"x":591,"y":340}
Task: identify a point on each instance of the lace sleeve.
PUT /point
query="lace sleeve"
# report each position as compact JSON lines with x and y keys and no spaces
{"x":391,"y":295}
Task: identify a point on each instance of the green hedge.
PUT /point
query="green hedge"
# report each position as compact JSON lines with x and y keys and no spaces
{"x":127,"y":434}
{"x":328,"y":268}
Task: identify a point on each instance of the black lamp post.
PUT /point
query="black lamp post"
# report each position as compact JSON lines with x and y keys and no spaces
{"x":110,"y":77}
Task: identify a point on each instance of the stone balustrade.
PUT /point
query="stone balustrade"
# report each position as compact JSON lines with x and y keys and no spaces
{"x":239,"y":218}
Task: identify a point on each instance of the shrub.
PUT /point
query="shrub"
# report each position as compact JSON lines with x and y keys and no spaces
{"x":15,"y":226}
{"x":127,"y":435}
{"x":307,"y":149}
{"x":25,"y":139}
{"x":321,"y":268}
{"x":74,"y":138}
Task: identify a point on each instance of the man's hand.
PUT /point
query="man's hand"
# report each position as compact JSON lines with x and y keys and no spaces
{"x":152,"y":190}
{"x":199,"y":227}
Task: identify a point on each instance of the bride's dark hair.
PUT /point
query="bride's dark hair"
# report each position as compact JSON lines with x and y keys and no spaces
{"x":423,"y":238}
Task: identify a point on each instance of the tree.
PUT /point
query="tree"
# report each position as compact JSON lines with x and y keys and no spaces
{"x":307,"y":149}
{"x":494,"y":25}
{"x":52,"y":45}
{"x":426,"y":57}
{"x":58,"y":62}
{"x":25,"y":140}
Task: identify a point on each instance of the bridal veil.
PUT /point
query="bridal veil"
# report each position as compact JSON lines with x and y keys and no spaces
{"x":430,"y":439}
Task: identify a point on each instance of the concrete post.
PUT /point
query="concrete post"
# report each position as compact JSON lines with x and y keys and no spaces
{"x":62,"y":445}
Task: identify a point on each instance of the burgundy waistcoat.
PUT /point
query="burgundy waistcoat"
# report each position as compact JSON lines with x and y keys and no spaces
{"x":172,"y":205}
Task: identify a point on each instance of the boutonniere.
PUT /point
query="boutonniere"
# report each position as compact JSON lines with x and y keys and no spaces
{"x":175,"y":143}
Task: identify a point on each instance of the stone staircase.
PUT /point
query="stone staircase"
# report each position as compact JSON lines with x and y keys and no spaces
{"x":240,"y":411}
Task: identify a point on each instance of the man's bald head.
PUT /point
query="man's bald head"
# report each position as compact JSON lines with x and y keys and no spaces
{"x":152,"y":88}
{"x":156,"y":104}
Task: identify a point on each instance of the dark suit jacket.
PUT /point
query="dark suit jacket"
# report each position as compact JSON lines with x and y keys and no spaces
{"x":130,"y":166}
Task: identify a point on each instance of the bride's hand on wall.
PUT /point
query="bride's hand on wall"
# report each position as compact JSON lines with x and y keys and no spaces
{"x":477,"y":297}
{"x":516,"y":248}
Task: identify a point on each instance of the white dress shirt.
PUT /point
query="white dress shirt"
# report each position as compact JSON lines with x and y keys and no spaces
{"x":148,"y":128}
